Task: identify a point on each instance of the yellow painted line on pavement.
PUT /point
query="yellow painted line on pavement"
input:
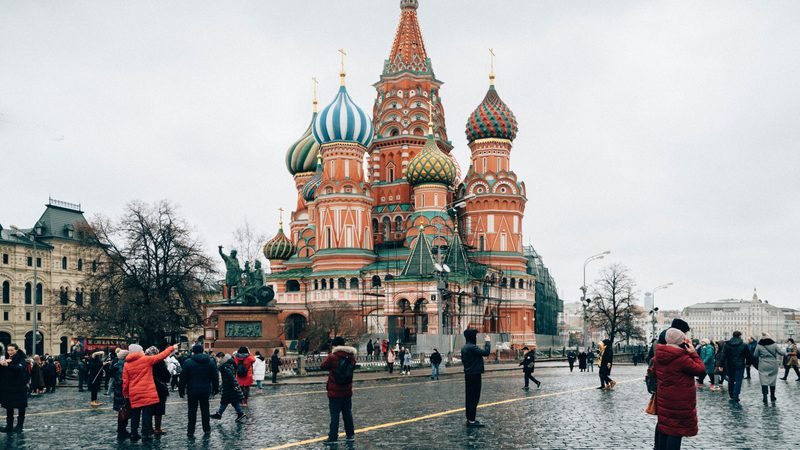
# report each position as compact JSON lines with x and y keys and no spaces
{"x":439,"y":414}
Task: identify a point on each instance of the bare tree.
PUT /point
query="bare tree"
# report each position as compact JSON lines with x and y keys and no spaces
{"x":613,"y":306}
{"x":248,"y":241}
{"x":152,"y":281}
{"x":329,"y":320}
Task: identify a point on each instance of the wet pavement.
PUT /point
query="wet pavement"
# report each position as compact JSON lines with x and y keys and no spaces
{"x":416,"y":413}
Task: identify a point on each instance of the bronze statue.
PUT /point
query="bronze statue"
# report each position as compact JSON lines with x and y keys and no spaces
{"x":233,"y":273}
{"x":249,"y":284}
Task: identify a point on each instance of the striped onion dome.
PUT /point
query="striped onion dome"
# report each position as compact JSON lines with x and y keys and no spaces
{"x":309,"y":190}
{"x":279,"y":247}
{"x":431,"y":165}
{"x":491,"y":119}
{"x":302,"y":155}
{"x":342,"y":121}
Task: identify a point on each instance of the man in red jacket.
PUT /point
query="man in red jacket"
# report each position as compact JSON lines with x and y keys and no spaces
{"x":340,"y":365}
{"x":676,"y":365}
{"x":139,"y":388}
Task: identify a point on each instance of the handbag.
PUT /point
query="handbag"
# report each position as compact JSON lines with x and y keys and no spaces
{"x":652,"y":406}
{"x":125,"y":410}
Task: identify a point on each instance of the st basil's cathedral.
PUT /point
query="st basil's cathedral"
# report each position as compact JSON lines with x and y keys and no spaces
{"x":388,"y":228}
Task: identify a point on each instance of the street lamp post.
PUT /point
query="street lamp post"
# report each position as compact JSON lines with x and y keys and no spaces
{"x":35,"y":291}
{"x":653,"y":313}
{"x":584,"y":301}
{"x":663,"y":286}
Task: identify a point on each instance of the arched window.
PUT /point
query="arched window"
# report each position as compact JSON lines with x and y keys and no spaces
{"x":63,"y":263}
{"x":80,"y":265}
{"x":394,"y":132}
{"x":375,"y":226}
{"x":79,"y":296}
{"x":353,"y":283}
{"x":292,"y":286}
{"x":94,"y":266}
{"x":390,"y":174}
{"x":398,"y":224}
{"x":28,"y":293}
{"x":294,"y":326}
{"x":513,"y":283}
{"x":341,"y":283}
{"x":324,"y":284}
{"x":404,"y":305}
{"x":6,"y":292}
{"x":504,"y":282}
{"x":316,"y":285}
{"x":63,"y":297}
{"x":522,"y":284}
{"x":94,"y":298}
{"x":376,"y":281}
{"x":39,"y":294}
{"x":387,"y":228}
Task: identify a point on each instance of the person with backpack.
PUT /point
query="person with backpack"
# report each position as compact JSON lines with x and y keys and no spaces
{"x":200,"y":380}
{"x":340,"y":364}
{"x":243,"y":361}
{"x":472,"y":360}
{"x":231,"y":391}
{"x":436,"y":359}
{"x":766,"y":358}
{"x":14,"y":379}
{"x":275,"y":365}
{"x":528,"y":363}
{"x":174,"y":366}
{"x":791,"y":359}
{"x":735,"y":356}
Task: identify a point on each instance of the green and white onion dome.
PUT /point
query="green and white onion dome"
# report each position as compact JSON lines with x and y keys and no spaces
{"x":279,"y":247}
{"x":302,"y":155}
{"x":342,"y":121}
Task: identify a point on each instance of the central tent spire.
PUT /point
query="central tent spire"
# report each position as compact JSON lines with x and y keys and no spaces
{"x":408,"y":50}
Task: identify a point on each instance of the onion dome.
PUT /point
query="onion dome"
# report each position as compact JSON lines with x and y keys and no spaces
{"x":279,"y":247}
{"x":309,"y":190}
{"x":431,"y":165}
{"x":302,"y":155}
{"x":491,"y":119}
{"x":342,"y":121}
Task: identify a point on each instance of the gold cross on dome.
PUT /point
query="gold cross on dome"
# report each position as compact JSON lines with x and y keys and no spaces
{"x":314,"y":80}
{"x":280,"y":221}
{"x":491,"y":65}
{"x":343,"y":54}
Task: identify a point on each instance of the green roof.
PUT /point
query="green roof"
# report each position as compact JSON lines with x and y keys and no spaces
{"x":60,"y":221}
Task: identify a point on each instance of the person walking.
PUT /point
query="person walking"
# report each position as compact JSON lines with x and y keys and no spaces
{"x":161,"y":378}
{"x":401,"y":358}
{"x":14,"y":379}
{"x":377,"y":348}
{"x":340,"y":364}
{"x":606,"y":362}
{"x":751,"y":347}
{"x":791,"y":359}
{"x":436,"y":359}
{"x":676,"y":365}
{"x":571,"y":360}
{"x":582,"y":360}
{"x":390,"y":357}
{"x":94,"y":373}
{"x":120,"y":403}
{"x":243,"y":361}
{"x":139,"y":387}
{"x":407,"y":363}
{"x":472,"y":360}
{"x":50,"y":375}
{"x":708,"y":355}
{"x":735,"y":355}
{"x":370,"y":348}
{"x":199,"y":380}
{"x":37,"y":380}
{"x":528,"y":364}
{"x":231,"y":391}
{"x":590,"y":357}
{"x":82,"y":372}
{"x":174,"y":366}
{"x":719,"y":372}
{"x":275,"y":365}
{"x":766,"y":358}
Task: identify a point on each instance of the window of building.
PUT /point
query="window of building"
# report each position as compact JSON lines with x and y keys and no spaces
{"x":316,"y":285}
{"x":6,"y":292}
{"x":29,"y":262}
{"x":324,"y":284}
{"x":94,"y":298}
{"x":328,"y":241}
{"x":94,"y":266}
{"x":79,"y":296}
{"x":28,"y":316}
{"x":341,"y":283}
{"x":28,"y":293}
{"x":5,"y":258}
{"x":484,"y":165}
{"x":502,"y":242}
{"x":39,"y":316}
{"x":63,"y":317}
{"x":347,"y":169}
{"x":63,"y":296}
{"x":63,"y":263}
{"x":353,"y":283}
{"x":422,"y":200}
{"x":390,"y":175}
{"x":80,"y":265}
{"x":39,"y":294}
{"x":5,"y":315}
{"x":481,"y":243}
{"x":38,"y":262}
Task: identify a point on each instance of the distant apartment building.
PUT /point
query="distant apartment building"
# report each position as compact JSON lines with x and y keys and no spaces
{"x":718,"y":319}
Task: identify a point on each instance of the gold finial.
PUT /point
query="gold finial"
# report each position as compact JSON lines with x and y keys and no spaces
{"x":280,"y":221}
{"x":342,"y":73}
{"x":430,"y":117}
{"x":491,"y":65}
{"x":314,"y":80}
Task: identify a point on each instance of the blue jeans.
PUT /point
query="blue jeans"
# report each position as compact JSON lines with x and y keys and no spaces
{"x":345,"y":407}
{"x":735,"y":377}
{"x":224,"y":406}
{"x":435,"y":371}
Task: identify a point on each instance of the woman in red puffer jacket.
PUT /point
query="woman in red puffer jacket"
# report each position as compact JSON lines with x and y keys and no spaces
{"x":676,"y":366}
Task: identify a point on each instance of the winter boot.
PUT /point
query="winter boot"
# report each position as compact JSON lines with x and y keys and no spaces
{"x":764,"y":392}
{"x":9,"y":423}
{"x":772,"y":393}
{"x":20,"y":423}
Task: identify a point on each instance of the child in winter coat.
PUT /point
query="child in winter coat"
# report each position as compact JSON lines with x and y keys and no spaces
{"x":231,"y":392}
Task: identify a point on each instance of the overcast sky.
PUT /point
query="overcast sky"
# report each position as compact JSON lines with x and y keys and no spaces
{"x":666,"y":132}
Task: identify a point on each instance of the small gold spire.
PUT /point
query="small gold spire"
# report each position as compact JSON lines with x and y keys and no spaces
{"x":314,"y":79}
{"x":280,"y":221}
{"x":342,"y":72}
{"x":491,"y":65}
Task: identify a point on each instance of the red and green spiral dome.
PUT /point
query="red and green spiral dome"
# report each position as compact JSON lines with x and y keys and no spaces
{"x":491,"y":119}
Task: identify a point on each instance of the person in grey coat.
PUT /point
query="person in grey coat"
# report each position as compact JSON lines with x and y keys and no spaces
{"x":769,"y":356}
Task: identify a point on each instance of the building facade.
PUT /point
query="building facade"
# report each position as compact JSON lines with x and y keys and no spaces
{"x":63,"y":257}
{"x":717,"y":320}
{"x":386,"y":223}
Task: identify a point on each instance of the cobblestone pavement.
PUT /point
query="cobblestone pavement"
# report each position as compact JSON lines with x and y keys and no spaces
{"x":414,"y":413}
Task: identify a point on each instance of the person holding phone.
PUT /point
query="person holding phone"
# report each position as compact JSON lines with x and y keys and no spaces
{"x":472,"y":359}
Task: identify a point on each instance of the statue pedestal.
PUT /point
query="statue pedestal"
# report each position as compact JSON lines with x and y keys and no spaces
{"x":254,"y":327}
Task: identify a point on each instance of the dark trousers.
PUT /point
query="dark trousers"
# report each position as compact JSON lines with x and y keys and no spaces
{"x":702,"y":378}
{"x":174,"y":382}
{"x":275,"y":376}
{"x":472,"y":394}
{"x":529,"y":377}
{"x":747,"y":370}
{"x":194,"y":402}
{"x":604,"y":376}
{"x":10,"y":418}
{"x":735,"y":376}
{"x":786,"y":372}
{"x":571,"y":365}
{"x":81,"y":380}
{"x":343,"y":406}
{"x":145,"y":416}
{"x":93,"y":388}
{"x":665,"y":442}
{"x":390,"y":366}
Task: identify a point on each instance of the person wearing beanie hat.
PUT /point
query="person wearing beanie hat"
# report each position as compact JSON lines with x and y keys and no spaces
{"x":735,"y":355}
{"x":231,"y":391}
{"x":199,"y":379}
{"x":139,"y":387}
{"x":135,"y":348}
{"x":676,"y":323}
{"x":340,"y":364}
{"x":676,"y":364}
{"x":768,"y":356}
{"x":243,"y":361}
{"x":472,"y":360}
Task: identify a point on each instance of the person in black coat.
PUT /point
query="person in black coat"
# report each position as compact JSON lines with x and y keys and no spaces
{"x":50,"y":376}
{"x":528,"y":363}
{"x":582,"y":360}
{"x":735,"y":356}
{"x":275,"y":365}
{"x":472,"y":360}
{"x":115,"y":372}
{"x":14,"y":378}
{"x":94,"y":374}
{"x":161,"y":378}
{"x":199,"y":379}
{"x":436,"y":360}
{"x":606,"y":362}
{"x":231,"y":392}
{"x":571,"y":360}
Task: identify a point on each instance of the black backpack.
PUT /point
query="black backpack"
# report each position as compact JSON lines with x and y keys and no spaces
{"x":241,"y":369}
{"x":344,"y":371}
